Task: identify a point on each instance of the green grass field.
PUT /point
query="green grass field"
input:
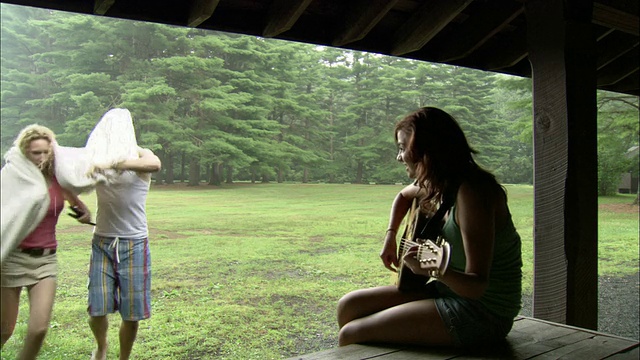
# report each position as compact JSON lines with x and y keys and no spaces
{"x":254,"y":271}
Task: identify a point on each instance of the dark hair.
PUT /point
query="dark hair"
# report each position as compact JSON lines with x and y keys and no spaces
{"x":439,"y":149}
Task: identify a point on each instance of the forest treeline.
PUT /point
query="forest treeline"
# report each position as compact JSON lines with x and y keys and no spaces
{"x":222,"y":107}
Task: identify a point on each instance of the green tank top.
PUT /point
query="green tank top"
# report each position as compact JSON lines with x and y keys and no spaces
{"x":503,"y":296}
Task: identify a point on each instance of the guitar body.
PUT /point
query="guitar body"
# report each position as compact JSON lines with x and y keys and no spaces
{"x":416,"y":221}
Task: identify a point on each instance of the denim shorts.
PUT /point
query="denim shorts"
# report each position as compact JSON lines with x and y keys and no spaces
{"x":120,"y":278}
{"x":470,"y":323}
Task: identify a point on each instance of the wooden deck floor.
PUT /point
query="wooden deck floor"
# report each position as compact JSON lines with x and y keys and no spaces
{"x":529,"y":339}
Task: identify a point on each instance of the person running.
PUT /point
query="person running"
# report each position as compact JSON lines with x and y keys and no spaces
{"x":120,"y":265}
{"x":32,"y":200}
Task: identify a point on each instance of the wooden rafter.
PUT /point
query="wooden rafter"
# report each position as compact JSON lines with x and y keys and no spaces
{"x":628,"y":85}
{"x":610,"y":17}
{"x":500,"y":53}
{"x":480,"y":29}
{"x":200,"y":11}
{"x":619,"y":69}
{"x":282,"y":15}
{"x":361,"y":18}
{"x":426,"y":23}
{"x":612,"y":47}
{"x":100,"y":7}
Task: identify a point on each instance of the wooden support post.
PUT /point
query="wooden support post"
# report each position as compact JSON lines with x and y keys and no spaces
{"x":561,"y":46}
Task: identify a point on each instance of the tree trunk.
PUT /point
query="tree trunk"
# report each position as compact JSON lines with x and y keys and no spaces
{"x":229,"y":174}
{"x":280,"y":175}
{"x":215,"y":178}
{"x":168,"y":166}
{"x":182,"y":166}
{"x":194,"y":172}
{"x":254,"y":175}
{"x":359,"y":172}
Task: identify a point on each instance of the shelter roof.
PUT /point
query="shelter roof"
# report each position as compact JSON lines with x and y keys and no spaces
{"x":488,"y":35}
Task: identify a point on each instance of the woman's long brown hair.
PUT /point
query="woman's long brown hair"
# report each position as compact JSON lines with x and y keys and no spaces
{"x":440,"y":151}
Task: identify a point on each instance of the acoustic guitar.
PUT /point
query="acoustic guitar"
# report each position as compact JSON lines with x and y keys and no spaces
{"x":433,"y":250}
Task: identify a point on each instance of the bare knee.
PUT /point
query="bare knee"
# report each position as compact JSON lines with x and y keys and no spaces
{"x":345,"y":311}
{"x":347,"y":335}
{"x":37,"y":332}
{"x":130,"y":325}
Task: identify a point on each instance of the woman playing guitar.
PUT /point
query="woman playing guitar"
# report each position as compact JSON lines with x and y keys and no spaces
{"x":475,"y":297}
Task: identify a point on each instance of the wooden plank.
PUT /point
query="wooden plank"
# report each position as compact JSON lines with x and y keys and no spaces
{"x":562,"y":54}
{"x":610,"y":17}
{"x":420,"y":354}
{"x":480,"y":28}
{"x":355,"y":351}
{"x":100,"y":7}
{"x":612,"y":46}
{"x":200,"y":11}
{"x":633,"y":354}
{"x":596,"y":347}
{"x":620,"y":68}
{"x":426,"y":23}
{"x":530,"y":339}
{"x":361,"y":17}
{"x":283,"y":14}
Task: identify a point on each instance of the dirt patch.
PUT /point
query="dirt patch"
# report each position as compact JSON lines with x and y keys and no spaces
{"x":618,"y":302}
{"x":158,"y":234}
{"x":619,"y":208}
{"x":203,"y":186}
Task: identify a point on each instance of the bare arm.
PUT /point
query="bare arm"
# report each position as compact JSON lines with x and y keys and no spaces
{"x":401,"y":204}
{"x":147,"y":162}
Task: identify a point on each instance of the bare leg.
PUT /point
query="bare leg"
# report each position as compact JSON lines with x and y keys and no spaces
{"x":386,"y":315}
{"x":99,"y":326}
{"x":363,"y":302}
{"x":10,"y":303}
{"x":41,"y":296}
{"x":128,"y":332}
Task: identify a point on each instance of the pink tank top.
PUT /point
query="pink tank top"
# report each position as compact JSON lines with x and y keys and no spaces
{"x":44,"y":236}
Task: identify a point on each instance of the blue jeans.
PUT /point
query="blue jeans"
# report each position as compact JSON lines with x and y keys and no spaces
{"x":470,"y":323}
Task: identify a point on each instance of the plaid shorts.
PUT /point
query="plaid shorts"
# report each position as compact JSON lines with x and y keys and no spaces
{"x":120,"y":278}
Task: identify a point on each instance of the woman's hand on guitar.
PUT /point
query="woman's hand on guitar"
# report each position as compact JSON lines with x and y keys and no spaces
{"x":428,"y":259}
{"x":389,"y":254}
{"x":410,"y":259}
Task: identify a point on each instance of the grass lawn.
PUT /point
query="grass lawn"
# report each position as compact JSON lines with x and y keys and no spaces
{"x":254,"y":271}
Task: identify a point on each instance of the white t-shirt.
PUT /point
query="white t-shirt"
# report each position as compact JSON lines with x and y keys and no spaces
{"x":121,"y":207}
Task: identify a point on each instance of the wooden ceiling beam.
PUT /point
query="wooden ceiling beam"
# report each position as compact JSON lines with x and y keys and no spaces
{"x":628,"y":85}
{"x":362,"y":16}
{"x":200,"y":11}
{"x":613,"y":18}
{"x":480,"y":28}
{"x":425,"y":24}
{"x":283,"y":14}
{"x":502,"y":52}
{"x":612,"y":47}
{"x":619,"y":69}
{"x":100,"y":7}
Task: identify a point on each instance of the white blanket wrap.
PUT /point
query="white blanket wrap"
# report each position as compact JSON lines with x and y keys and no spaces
{"x":25,"y":200}
{"x":25,"y":195}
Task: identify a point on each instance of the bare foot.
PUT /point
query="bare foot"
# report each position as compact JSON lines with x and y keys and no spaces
{"x":95,"y":355}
